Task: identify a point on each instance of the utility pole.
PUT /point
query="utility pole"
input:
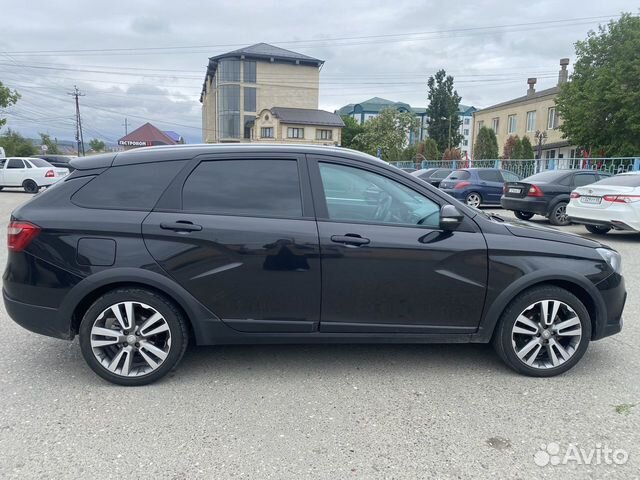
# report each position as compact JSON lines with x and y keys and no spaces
{"x":126,"y":126}
{"x":79,"y":136}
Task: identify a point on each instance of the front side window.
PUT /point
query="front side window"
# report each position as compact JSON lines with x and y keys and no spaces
{"x":322,"y":134}
{"x":15,"y":163}
{"x":265,"y":188}
{"x":266,"y":132}
{"x":355,"y":195}
{"x":531,"y":121}
{"x":552,"y":118}
{"x":295,"y":132}
{"x":512,"y":124}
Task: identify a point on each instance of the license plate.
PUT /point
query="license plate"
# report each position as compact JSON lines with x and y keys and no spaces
{"x":515,"y":190}
{"x":591,"y":200}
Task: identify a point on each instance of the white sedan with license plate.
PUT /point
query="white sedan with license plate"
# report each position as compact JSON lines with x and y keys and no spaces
{"x":612,"y":203}
{"x":29,"y":173}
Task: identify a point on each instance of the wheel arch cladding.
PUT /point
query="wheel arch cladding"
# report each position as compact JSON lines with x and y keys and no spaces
{"x":595,"y":309}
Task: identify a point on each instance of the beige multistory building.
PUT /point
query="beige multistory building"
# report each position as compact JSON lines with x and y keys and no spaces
{"x":242,"y":83}
{"x":533,"y":115}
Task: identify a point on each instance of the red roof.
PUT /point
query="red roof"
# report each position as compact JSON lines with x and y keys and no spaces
{"x":146,"y":135}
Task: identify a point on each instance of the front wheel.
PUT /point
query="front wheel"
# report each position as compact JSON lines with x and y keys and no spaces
{"x":558,"y":215}
{"x":523,"y":215}
{"x":30,"y":186}
{"x":473,"y":199}
{"x":597,"y":230}
{"x":132,"y":336}
{"x":543,"y":332}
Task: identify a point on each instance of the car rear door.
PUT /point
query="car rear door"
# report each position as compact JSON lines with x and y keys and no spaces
{"x":239,"y":233}
{"x":491,"y":184}
{"x":382,"y":272}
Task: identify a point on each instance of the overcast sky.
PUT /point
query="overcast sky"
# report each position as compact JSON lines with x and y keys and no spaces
{"x":385,"y":49}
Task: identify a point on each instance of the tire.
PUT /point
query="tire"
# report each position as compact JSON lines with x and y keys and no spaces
{"x":558,"y":215}
{"x":523,"y":215}
{"x":30,"y":186}
{"x":142,"y":356}
{"x":597,"y":230}
{"x":473,"y":199}
{"x":509,"y":341}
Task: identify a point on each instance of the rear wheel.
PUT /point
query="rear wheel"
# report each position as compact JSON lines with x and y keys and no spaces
{"x":523,"y":215}
{"x":473,"y":199}
{"x":543,"y":332}
{"x":30,"y":186}
{"x":132,"y":336}
{"x":597,"y":230}
{"x":558,"y":215}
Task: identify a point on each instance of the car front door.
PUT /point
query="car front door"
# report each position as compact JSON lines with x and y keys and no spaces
{"x":240,"y":235}
{"x":14,"y":172}
{"x":386,"y":264}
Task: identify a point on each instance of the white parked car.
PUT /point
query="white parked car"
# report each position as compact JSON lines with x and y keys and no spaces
{"x":612,"y":203}
{"x":29,"y":173}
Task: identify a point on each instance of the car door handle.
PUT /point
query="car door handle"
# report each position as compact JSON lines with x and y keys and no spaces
{"x":181,"y":226}
{"x":350,"y":239}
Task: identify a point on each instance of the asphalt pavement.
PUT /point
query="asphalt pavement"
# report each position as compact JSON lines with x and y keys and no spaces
{"x":323,"y":412}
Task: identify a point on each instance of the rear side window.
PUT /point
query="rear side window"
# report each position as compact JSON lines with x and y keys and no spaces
{"x":265,"y":188}
{"x":490,"y":175}
{"x":128,"y":187}
{"x":584,"y":179}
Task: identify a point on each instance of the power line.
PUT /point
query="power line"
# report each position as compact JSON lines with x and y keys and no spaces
{"x":179,"y":49}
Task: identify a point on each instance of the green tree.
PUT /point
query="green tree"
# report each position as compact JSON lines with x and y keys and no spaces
{"x":389,"y":132}
{"x":486,"y":146}
{"x":431,"y":151}
{"x":97,"y":145}
{"x":600,"y":106}
{"x":52,"y":145}
{"x":351,"y":132}
{"x":512,"y":148}
{"x":527,"y":148}
{"x":8,"y":97}
{"x":444,"y":121}
{"x":409,"y":153}
{"x":15,"y":145}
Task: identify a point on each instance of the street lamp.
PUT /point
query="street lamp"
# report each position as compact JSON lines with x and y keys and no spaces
{"x":449,"y":141}
{"x":541,"y":139}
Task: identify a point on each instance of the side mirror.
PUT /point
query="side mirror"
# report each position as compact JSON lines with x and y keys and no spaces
{"x":450,"y":218}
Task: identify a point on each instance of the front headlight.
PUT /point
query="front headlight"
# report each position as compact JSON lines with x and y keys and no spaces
{"x":612,"y":257}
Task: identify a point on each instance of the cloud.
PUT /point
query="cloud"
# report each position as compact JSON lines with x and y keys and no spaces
{"x":150,"y":25}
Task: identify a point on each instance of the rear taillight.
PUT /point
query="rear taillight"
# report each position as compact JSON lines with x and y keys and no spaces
{"x":50,"y":174}
{"x":622,"y":198}
{"x":504,"y":188}
{"x":461,"y":185}
{"x":20,"y":235}
{"x":575,"y":195}
{"x":534,"y":191}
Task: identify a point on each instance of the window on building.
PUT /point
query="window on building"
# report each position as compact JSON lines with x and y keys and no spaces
{"x":229,"y":111}
{"x":249,"y":122}
{"x":249,"y":99}
{"x":531,"y":121}
{"x":466,"y":121}
{"x":572,"y":154}
{"x":552,"y":119}
{"x":512,"y":124}
{"x":249,"y":72}
{"x":322,"y":134}
{"x":495,"y":124}
{"x":465,"y":142}
{"x":550,"y":154}
{"x":266,"y":188}
{"x":480,"y":124}
{"x":466,"y":131}
{"x":266,"y":132}
{"x":293,"y":132}
{"x":229,"y":70}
